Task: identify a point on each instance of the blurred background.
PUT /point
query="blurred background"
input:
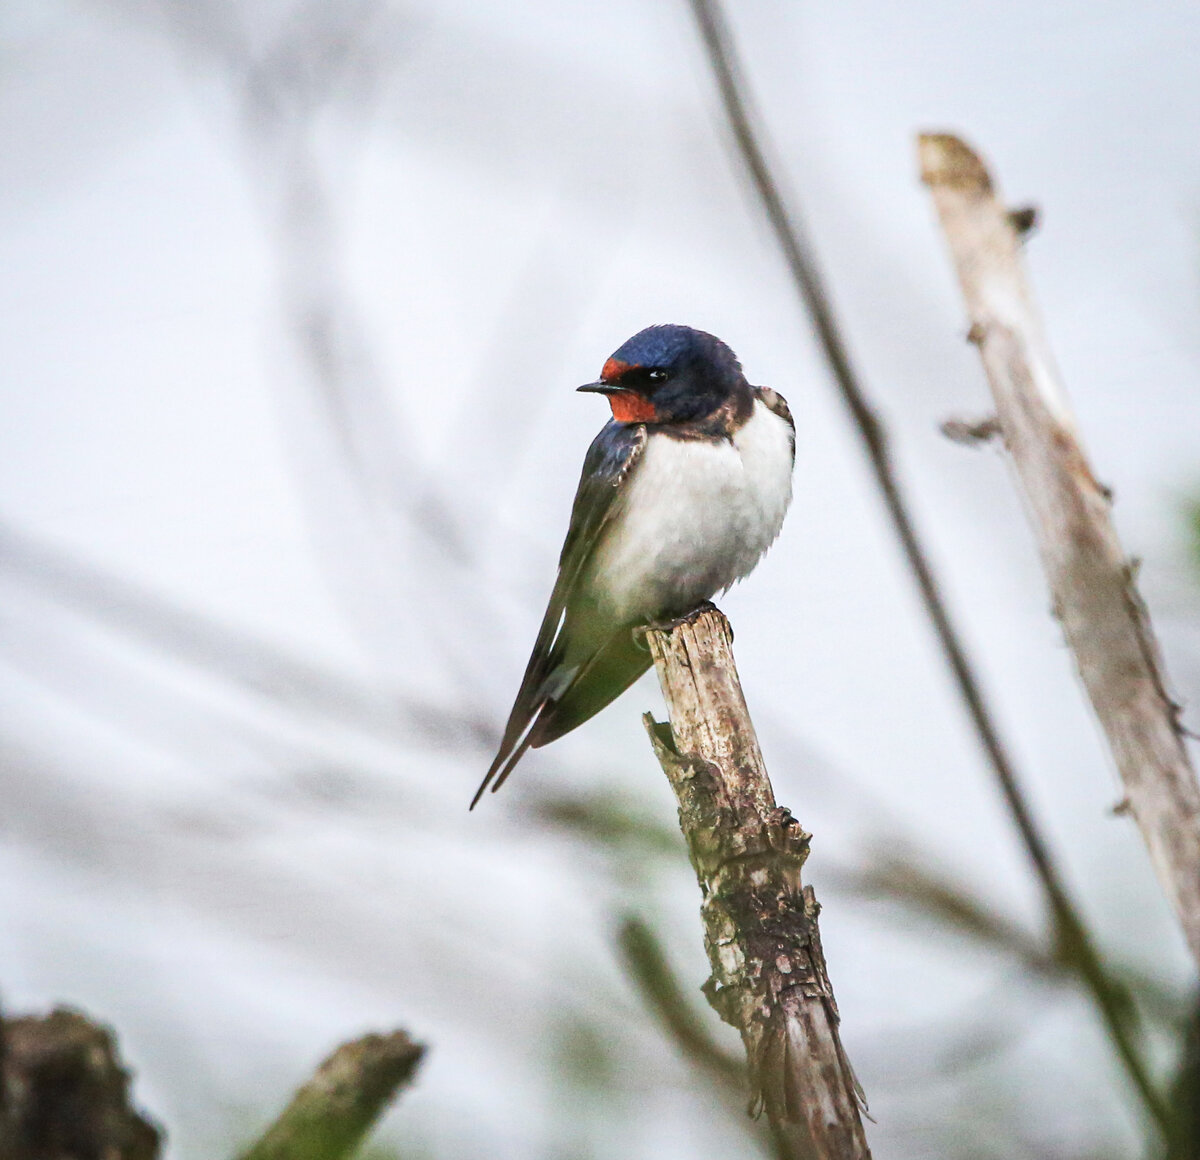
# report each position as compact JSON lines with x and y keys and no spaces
{"x":295,"y":297}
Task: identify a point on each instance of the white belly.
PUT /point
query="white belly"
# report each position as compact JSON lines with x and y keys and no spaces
{"x":699,"y":515}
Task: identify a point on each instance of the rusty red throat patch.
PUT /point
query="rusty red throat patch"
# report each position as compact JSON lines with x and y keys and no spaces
{"x":627,"y":406}
{"x":630,"y":407}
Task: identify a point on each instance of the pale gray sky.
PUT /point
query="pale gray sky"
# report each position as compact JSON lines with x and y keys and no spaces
{"x":296,"y":357}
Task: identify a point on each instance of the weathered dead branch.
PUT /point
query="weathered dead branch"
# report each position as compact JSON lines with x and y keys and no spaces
{"x":760,"y":924}
{"x":1092,"y":581}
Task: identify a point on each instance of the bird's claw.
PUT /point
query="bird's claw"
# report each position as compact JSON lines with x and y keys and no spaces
{"x":639,"y":633}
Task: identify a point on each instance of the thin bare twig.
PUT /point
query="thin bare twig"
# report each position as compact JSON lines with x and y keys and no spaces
{"x":760,"y":924}
{"x":1095,"y":595}
{"x":793,"y":241}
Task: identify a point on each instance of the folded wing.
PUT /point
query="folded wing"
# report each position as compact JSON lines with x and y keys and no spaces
{"x":578,"y":664}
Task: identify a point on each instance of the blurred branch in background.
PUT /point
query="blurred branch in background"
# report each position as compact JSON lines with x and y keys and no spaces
{"x":646,"y":962}
{"x":1104,"y":619}
{"x":254,"y":665}
{"x":760,"y":924}
{"x":1191,"y":513}
{"x":1071,"y":931}
{"x":1184,"y":1140}
{"x":911,"y":883}
{"x":304,"y":97}
{"x":613,"y":821}
{"x":329,"y":1116}
{"x":64,"y":1093}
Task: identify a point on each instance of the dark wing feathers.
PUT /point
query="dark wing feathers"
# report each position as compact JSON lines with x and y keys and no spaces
{"x":612,"y":669}
{"x":609,"y":460}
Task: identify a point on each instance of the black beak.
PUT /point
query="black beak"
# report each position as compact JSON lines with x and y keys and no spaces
{"x":598,"y":388}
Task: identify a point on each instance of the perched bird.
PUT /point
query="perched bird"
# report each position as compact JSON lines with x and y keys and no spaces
{"x":682,"y":492}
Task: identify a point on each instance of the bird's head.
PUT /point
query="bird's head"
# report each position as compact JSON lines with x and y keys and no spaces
{"x":669,"y":374}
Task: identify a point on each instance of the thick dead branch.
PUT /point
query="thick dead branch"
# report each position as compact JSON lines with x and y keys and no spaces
{"x":329,"y":1115}
{"x":64,"y":1094}
{"x":1090,"y":577}
{"x":760,"y":924}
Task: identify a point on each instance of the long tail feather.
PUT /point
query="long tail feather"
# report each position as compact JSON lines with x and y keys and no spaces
{"x":511,"y":763}
{"x":507,"y":758}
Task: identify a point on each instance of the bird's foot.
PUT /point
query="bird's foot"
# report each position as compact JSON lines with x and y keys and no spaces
{"x":639,"y":633}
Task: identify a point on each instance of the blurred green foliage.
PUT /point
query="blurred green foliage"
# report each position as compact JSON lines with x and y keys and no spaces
{"x":1191,"y":516}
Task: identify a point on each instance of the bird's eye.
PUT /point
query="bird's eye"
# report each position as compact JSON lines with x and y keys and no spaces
{"x":657,"y":376}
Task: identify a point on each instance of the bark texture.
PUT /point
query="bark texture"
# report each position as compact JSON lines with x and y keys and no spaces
{"x":329,"y":1116}
{"x":760,"y":923}
{"x":1092,"y":581}
{"x":64,"y":1094}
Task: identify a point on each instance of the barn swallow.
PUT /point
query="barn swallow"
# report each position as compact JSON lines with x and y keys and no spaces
{"x":682,"y":492}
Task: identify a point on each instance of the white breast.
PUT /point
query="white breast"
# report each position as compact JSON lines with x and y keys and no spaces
{"x":699,"y":515}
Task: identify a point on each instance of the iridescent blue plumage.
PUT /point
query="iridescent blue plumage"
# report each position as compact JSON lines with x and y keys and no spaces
{"x":671,"y":346}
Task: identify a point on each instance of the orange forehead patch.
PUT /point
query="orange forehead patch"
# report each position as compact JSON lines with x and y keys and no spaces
{"x":628,"y":407}
{"x":613,"y":370}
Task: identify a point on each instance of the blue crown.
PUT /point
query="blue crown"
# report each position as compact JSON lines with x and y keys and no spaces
{"x":670,"y":345}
